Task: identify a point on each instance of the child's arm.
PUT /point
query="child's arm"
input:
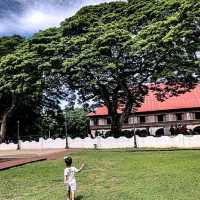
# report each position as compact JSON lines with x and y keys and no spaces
{"x":81,"y":167}
{"x":65,"y":179}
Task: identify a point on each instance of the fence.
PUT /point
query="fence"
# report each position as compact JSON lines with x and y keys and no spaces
{"x":179,"y":141}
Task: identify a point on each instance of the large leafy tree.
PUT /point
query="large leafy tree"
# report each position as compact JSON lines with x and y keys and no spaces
{"x":18,"y":82}
{"x":113,"y":55}
{"x":106,"y":74}
{"x":27,"y":79}
{"x":109,"y":53}
{"x":8,"y":45}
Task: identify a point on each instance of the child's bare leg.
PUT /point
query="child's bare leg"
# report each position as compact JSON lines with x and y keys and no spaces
{"x":68,"y":194}
{"x":72,"y":195}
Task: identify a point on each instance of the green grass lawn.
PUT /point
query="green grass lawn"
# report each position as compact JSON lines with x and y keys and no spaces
{"x":117,"y":175}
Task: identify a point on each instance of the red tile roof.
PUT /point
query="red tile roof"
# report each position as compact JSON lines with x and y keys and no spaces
{"x":184,"y":101}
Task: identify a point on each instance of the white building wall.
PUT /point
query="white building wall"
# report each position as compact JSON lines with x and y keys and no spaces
{"x":188,"y":116}
{"x":91,"y":122}
{"x":102,"y":121}
{"x":151,"y":118}
{"x":136,"y":119}
{"x":192,"y":115}
{"x":130,"y":120}
{"x":170,"y":117}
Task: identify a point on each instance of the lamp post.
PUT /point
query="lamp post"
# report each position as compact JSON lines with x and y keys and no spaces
{"x":49,"y":131}
{"x":18,"y":137}
{"x":66,"y":133}
{"x":135,"y":137}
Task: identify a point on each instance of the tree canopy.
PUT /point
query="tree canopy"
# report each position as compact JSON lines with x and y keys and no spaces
{"x":76,"y":122}
{"x":109,"y":53}
{"x":8,"y":44}
{"x":111,"y":56}
{"x":26,"y":80}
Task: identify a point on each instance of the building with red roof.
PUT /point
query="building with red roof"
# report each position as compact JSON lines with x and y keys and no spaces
{"x":154,"y":116}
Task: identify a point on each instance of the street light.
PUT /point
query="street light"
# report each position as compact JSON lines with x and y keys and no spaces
{"x":18,"y":137}
{"x":49,"y":131}
{"x":66,"y":133}
{"x":134,"y":133}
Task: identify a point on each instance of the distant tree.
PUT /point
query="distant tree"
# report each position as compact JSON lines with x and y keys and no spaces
{"x":8,"y":44}
{"x":27,"y":77}
{"x":52,"y":123}
{"x":77,"y":122}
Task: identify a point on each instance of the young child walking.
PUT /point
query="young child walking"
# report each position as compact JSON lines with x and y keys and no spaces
{"x":69,"y":177}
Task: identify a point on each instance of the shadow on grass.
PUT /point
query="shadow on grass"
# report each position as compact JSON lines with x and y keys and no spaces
{"x":79,"y":197}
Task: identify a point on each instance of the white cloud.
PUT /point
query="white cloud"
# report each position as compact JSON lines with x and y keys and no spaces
{"x":40,"y":15}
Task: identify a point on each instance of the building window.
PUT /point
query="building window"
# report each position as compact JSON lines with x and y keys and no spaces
{"x":142,"y":119}
{"x":126,"y":121}
{"x":96,"y":121}
{"x":179,"y":116}
{"x":108,"y":120}
{"x":197,"y":115}
{"x":160,"y":118}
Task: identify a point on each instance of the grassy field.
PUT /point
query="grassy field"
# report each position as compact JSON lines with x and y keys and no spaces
{"x":166,"y":175}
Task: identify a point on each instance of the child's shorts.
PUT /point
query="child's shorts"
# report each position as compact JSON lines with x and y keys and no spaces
{"x":72,"y":186}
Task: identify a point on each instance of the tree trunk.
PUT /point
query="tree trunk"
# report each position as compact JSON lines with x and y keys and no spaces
{"x":118,"y":119}
{"x":116,"y":126}
{"x":3,"y":127}
{"x":7,"y":114}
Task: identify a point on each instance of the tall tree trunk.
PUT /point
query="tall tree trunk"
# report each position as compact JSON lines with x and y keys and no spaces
{"x":118,"y":119}
{"x":7,"y":114}
{"x":116,"y":126}
{"x":111,"y":101}
{"x":3,"y":127}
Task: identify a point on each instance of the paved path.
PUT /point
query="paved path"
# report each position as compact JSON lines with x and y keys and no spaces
{"x":18,"y":162}
{"x":21,"y":157}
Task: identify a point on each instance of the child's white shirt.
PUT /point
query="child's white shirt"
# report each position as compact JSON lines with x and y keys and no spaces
{"x":69,"y":172}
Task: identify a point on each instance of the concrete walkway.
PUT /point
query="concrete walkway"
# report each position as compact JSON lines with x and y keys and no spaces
{"x":9,"y":159}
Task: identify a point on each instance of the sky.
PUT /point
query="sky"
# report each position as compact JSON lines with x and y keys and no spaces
{"x":25,"y":17}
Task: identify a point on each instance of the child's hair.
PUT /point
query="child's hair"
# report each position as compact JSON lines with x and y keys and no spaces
{"x":68,"y":160}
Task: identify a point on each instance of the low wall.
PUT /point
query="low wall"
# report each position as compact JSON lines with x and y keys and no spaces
{"x":179,"y":141}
